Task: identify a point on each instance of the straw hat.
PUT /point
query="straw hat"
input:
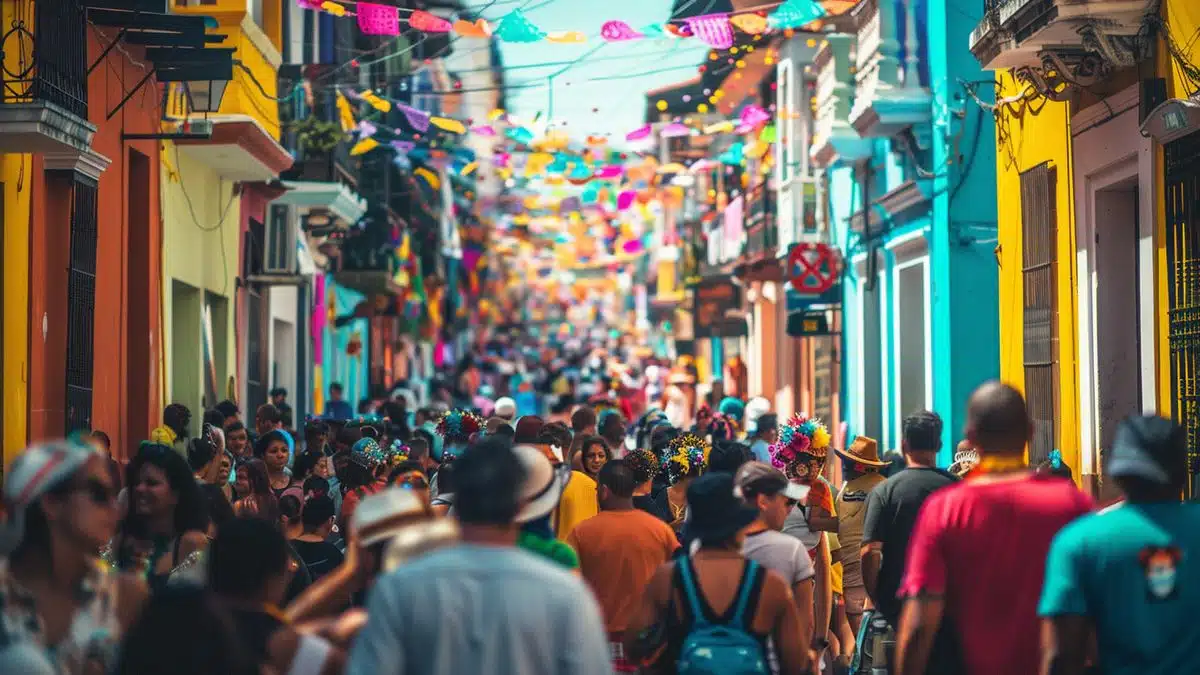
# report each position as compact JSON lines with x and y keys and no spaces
{"x":864,"y":451}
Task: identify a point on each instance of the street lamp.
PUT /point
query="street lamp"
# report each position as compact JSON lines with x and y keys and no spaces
{"x":205,"y":95}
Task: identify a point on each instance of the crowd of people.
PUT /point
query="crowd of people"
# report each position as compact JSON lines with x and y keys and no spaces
{"x":578,"y":526}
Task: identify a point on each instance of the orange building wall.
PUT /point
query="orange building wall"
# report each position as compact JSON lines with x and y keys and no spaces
{"x":127,"y":335}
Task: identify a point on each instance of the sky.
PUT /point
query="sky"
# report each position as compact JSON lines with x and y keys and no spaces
{"x":603,"y":91}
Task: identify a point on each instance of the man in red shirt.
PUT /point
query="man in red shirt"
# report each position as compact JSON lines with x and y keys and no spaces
{"x":978,"y":553}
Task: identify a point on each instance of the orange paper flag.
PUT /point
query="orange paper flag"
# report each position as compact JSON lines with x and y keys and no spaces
{"x":479,"y":29}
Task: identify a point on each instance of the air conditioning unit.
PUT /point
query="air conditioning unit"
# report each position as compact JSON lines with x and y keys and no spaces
{"x":200,"y":127}
{"x":279,"y":251}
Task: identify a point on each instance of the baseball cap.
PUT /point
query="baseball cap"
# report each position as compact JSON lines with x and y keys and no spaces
{"x":1148,"y":447}
{"x":758,"y":478}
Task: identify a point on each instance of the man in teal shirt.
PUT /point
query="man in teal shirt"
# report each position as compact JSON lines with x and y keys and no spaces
{"x":1129,"y":573}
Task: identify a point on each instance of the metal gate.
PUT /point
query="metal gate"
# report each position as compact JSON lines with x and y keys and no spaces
{"x":1182,"y":195}
{"x":81,"y":304}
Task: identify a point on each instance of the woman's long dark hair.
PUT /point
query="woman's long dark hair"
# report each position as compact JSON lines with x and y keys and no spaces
{"x":191,"y":509}
{"x":260,"y":489}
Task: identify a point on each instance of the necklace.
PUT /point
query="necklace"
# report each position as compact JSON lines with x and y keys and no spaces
{"x":990,"y":464}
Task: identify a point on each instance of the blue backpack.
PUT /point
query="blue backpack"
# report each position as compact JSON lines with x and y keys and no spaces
{"x":727,"y":647}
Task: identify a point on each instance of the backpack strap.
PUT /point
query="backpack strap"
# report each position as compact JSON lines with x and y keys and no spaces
{"x":746,"y":591}
{"x":687,"y":578}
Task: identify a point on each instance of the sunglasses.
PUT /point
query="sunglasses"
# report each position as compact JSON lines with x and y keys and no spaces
{"x":97,"y":491}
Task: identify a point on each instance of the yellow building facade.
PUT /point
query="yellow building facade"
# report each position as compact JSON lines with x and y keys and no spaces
{"x":1033,"y":136}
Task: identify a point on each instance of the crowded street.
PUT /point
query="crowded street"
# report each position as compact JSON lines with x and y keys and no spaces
{"x":543,"y":337}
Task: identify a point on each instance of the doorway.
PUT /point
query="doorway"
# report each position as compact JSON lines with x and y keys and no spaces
{"x":1117,"y":325}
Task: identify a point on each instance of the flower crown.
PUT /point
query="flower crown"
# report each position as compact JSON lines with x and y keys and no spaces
{"x":800,"y":436}
{"x":459,"y":425}
{"x":398,"y":452}
{"x":370,"y":450}
{"x":683,"y":455}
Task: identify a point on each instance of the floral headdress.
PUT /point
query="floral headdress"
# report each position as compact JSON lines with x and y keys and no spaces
{"x":686,"y":455}
{"x":722,"y":427}
{"x":367,"y":453}
{"x":800,"y":439}
{"x":458,"y":426}
{"x":397,"y":453}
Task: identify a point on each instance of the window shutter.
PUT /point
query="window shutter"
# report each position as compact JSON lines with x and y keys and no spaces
{"x":1039,"y":237}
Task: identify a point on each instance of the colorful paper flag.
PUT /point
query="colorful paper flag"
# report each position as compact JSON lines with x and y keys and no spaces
{"x":333,"y":8}
{"x":618,"y":31}
{"x":345,"y":113}
{"x":376,"y":19}
{"x":424,"y":21}
{"x":713,"y":29}
{"x":364,"y":146}
{"x":795,"y":14}
{"x":639,"y":133}
{"x":566,"y":37}
{"x":749,"y":23}
{"x":448,"y":124}
{"x":480,"y":29}
{"x":419,"y":119}
{"x":515,"y":27}
{"x":429,"y":177}
{"x":674,"y":130}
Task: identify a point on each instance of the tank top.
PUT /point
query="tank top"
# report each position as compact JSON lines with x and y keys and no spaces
{"x":92,"y":641}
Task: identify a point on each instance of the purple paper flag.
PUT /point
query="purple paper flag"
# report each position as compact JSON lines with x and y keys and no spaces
{"x":419,"y":119}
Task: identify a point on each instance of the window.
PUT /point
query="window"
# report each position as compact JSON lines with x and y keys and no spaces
{"x":81,"y":305}
{"x":871,"y":349}
{"x":1039,"y":236}
{"x":912,"y":363}
{"x":785,"y":105}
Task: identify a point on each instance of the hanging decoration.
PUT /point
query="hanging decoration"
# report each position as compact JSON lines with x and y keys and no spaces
{"x":403,"y":146}
{"x":375,"y":101}
{"x":768,"y":134}
{"x":419,"y":119}
{"x":753,"y":116}
{"x":610,"y":171}
{"x":515,"y":27}
{"x":566,"y":37}
{"x":365,"y":129}
{"x":675,"y":130}
{"x":718,"y":127}
{"x":429,"y":177}
{"x":639,"y":133}
{"x":469,"y":169}
{"x":364,"y":146}
{"x":376,"y":19}
{"x":653,"y":30}
{"x":430,"y":23}
{"x":345,"y":113}
{"x":625,"y":199}
{"x":794,"y":14}
{"x":333,"y":8}
{"x":713,"y":29}
{"x":480,"y":29}
{"x":448,"y":124}
{"x":484,"y":130}
{"x":619,"y":31}
{"x":750,"y":23}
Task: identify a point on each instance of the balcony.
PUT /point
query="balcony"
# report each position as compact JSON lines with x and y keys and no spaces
{"x":1061,"y":41}
{"x":834,"y":139}
{"x":43,"y":68}
{"x":368,"y":257}
{"x":888,"y":98}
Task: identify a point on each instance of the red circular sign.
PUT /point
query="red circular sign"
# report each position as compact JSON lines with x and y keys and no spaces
{"x":812,"y":268}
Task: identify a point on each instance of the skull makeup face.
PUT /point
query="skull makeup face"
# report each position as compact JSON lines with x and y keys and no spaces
{"x":1160,"y":568}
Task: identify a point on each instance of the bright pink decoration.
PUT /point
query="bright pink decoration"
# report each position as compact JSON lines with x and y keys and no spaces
{"x":625,"y":199}
{"x":619,"y":31}
{"x":753,"y":116}
{"x":639,"y":133}
{"x":428,"y":22}
{"x":610,"y":171}
{"x":484,"y":130}
{"x":713,"y":29}
{"x":378,"y":19}
{"x":674,"y":130}
{"x":632,"y":245}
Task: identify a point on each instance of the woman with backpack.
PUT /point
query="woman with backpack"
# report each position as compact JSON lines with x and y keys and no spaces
{"x":715,"y":612}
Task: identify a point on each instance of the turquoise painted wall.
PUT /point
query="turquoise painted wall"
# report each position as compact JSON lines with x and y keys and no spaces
{"x":338,"y":366}
{"x":959,"y":232}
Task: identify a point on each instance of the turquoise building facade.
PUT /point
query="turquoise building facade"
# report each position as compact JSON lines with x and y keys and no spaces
{"x":906,"y":158}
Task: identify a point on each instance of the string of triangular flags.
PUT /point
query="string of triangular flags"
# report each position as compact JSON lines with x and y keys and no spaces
{"x":715,"y":30}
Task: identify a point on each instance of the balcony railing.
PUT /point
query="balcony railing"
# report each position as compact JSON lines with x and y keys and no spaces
{"x":889,"y":97}
{"x":1062,"y":41}
{"x":833,"y":137}
{"x":44,"y":55}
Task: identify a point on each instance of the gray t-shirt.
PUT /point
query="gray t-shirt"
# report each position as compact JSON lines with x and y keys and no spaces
{"x":781,"y":553}
{"x":467,"y":609}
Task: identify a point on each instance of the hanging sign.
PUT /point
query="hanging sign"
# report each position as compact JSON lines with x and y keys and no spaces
{"x":808,"y":324}
{"x":714,"y":299}
{"x":812,"y":268}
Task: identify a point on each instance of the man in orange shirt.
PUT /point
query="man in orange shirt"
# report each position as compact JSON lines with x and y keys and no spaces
{"x":619,"y":550}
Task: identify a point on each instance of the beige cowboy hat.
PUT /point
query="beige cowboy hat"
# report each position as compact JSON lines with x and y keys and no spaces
{"x":863,"y":450}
